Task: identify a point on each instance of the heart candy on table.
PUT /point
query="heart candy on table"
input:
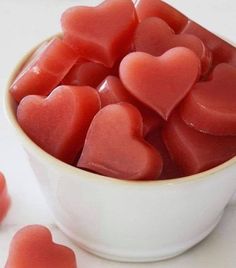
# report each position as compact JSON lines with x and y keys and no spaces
{"x":32,"y":247}
{"x":115,"y":146}
{"x":86,"y":73}
{"x":160,"y":82}
{"x":44,"y":70}
{"x":210,"y":107}
{"x":4,"y":198}
{"x":59,"y":123}
{"x":111,"y":91}
{"x":194,"y":151}
{"x":154,"y":36}
{"x":157,"y":8}
{"x":101,"y":34}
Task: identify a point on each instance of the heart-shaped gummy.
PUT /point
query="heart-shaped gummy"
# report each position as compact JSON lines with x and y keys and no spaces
{"x":221,"y":50}
{"x":86,"y":73}
{"x":157,"y":8}
{"x":4,"y":198}
{"x":44,"y":70}
{"x":115,"y":146}
{"x":32,"y":247}
{"x":160,"y":82}
{"x":154,"y":36}
{"x":58,"y":123}
{"x":111,"y":91}
{"x":211,"y":105}
{"x":194,"y":151}
{"x":103,"y":33}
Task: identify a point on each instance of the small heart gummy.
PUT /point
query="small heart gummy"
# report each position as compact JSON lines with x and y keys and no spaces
{"x":58,"y":123}
{"x":155,"y":37}
{"x":103,"y":33}
{"x":194,"y":151}
{"x":115,"y":146}
{"x":160,"y":82}
{"x":211,"y":105}
{"x":32,"y":247}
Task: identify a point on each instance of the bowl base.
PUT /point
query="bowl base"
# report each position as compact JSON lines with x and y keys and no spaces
{"x":158,"y":256}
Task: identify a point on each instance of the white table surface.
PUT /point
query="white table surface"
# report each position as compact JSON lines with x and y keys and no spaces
{"x":24,"y":23}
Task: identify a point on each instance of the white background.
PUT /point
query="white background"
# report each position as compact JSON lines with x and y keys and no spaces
{"x":23,"y":24}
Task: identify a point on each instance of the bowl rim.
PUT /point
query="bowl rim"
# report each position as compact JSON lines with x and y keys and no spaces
{"x":9,"y":102}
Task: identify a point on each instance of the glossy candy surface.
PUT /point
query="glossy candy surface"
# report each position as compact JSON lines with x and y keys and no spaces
{"x":211,"y":105}
{"x":45,"y":70}
{"x":4,"y":198}
{"x":101,"y":34}
{"x":115,"y":146}
{"x":58,"y":123}
{"x":113,"y":91}
{"x":160,"y":82}
{"x":194,"y":151}
{"x":154,"y":36}
{"x":32,"y":247}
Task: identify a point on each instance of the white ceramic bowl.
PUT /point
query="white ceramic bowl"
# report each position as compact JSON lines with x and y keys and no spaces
{"x":123,"y":220}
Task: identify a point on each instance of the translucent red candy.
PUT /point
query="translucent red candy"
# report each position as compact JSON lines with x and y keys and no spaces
{"x":158,"y":8}
{"x":221,"y":50}
{"x":44,"y":71}
{"x":211,"y":105}
{"x":32,"y":247}
{"x":115,"y":146}
{"x":58,"y":123}
{"x":160,"y":82}
{"x":154,"y":36}
{"x":113,"y":91}
{"x":194,"y":151}
{"x":4,"y":198}
{"x":86,"y":73}
{"x":101,"y":34}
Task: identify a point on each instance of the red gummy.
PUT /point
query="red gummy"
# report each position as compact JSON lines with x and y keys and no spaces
{"x":160,"y":82}
{"x":113,"y":91}
{"x":156,"y":8}
{"x":32,"y":246}
{"x":194,"y":151}
{"x":154,"y":36}
{"x":59,"y":123}
{"x":86,"y":73}
{"x":101,"y":34}
{"x":44,"y":71}
{"x":4,"y":198}
{"x":211,"y":105}
{"x":115,"y":146}
{"x":221,"y":50}
{"x":170,"y":168}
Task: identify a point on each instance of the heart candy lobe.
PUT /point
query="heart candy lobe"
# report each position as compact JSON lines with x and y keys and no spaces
{"x":210,"y":107}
